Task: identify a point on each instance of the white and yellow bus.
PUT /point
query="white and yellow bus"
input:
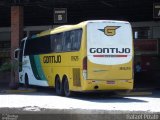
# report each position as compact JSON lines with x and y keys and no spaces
{"x":93,"y":55}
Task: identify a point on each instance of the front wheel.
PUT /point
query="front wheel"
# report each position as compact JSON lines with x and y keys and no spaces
{"x":67,"y":92}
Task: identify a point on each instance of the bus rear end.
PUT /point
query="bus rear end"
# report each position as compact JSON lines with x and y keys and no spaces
{"x":109,"y":61}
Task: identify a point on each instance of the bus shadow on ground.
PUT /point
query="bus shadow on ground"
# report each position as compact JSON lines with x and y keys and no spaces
{"x":105,"y":98}
{"x":100,"y":97}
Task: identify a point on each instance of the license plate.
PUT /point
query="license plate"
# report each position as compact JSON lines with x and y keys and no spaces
{"x":111,"y":82}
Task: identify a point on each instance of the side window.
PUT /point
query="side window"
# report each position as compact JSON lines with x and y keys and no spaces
{"x":40,"y":45}
{"x":43,"y":45}
{"x":77,"y":34}
{"x":53,"y":45}
{"x":66,"y":41}
{"x":72,"y":40}
{"x":56,"y":42}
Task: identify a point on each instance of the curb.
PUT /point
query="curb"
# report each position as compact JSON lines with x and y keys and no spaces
{"x":135,"y":94}
{"x":143,"y":89}
{"x":20,"y":90}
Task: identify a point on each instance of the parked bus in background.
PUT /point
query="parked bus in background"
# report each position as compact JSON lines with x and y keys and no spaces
{"x":93,"y":55}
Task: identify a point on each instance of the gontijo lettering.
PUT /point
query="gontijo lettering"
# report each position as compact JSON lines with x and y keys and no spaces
{"x":110,"y":50}
{"x":52,"y":59}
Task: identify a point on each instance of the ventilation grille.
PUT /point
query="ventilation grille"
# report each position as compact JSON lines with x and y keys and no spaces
{"x":76,"y":77}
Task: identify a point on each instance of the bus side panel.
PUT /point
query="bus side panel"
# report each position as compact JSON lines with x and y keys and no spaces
{"x":34,"y":71}
{"x":61,"y":64}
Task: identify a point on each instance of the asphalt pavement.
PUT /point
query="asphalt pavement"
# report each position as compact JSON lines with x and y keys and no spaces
{"x":38,"y":101}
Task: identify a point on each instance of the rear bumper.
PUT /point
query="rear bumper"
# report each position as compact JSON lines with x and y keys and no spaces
{"x":107,"y":85}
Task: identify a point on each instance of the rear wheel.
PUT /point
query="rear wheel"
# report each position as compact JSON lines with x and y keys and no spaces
{"x":58,"y":87}
{"x":67,"y":91}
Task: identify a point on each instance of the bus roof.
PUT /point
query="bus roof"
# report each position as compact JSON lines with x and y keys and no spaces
{"x":76,"y":26}
{"x":110,"y":21}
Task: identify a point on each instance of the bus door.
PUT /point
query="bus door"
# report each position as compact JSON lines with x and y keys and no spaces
{"x":21,"y":55}
{"x":109,"y":50}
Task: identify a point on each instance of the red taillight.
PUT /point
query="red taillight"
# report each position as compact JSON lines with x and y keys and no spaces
{"x":85,"y":68}
{"x":85,"y":63}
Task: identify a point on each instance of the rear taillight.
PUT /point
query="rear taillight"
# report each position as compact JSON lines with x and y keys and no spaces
{"x":133,"y":68}
{"x":85,"y":63}
{"x":85,"y":68}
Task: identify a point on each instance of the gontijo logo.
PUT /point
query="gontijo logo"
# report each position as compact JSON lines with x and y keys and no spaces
{"x":109,"y":30}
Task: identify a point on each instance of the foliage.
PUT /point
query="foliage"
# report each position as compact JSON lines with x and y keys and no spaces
{"x":6,"y":66}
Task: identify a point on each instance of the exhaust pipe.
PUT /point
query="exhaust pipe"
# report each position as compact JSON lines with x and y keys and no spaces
{"x":96,"y":87}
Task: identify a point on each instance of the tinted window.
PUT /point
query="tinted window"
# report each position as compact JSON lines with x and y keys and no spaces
{"x":61,"y":42}
{"x":56,"y":42}
{"x":66,"y":41}
{"x":39,"y":45}
{"x":76,"y":39}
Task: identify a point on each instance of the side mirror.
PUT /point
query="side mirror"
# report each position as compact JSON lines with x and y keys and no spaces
{"x":16,"y":54}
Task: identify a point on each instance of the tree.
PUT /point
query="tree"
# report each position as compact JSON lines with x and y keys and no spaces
{"x":13,"y":66}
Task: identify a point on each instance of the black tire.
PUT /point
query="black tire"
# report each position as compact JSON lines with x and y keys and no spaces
{"x":67,"y":91}
{"x":58,"y":86}
{"x":26,"y":82}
